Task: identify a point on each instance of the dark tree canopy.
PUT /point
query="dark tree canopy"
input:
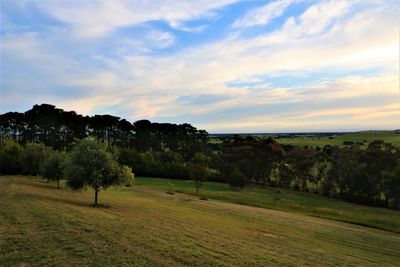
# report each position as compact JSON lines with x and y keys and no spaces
{"x":61,"y":130}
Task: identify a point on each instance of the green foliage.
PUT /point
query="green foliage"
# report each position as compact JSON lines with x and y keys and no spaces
{"x":91,"y":165}
{"x":127,"y":177}
{"x":198,"y":173}
{"x":198,"y":169}
{"x":10,"y":154}
{"x":255,"y":157}
{"x":347,"y":167}
{"x":302,"y":162}
{"x":52,"y":167}
{"x":236,"y":178}
{"x":32,"y":158}
{"x":166,"y":164}
{"x":285,"y":175}
{"x":391,"y":187}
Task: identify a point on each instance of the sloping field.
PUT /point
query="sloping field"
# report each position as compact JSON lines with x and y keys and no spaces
{"x":285,"y":200}
{"x":144,"y":226}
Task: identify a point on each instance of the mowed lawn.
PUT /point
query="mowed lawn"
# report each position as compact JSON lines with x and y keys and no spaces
{"x":145,"y":226}
{"x":284,"y":200}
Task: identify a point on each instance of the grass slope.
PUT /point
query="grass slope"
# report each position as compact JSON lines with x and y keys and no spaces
{"x":144,"y":226}
{"x":286,"y":200}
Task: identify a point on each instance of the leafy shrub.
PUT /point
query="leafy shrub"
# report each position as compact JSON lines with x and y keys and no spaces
{"x":52,"y":167}
{"x":10,"y":154}
{"x":236,"y":178}
{"x":32,"y":158}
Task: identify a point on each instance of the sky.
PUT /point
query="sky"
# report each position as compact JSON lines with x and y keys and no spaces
{"x":221,"y":65}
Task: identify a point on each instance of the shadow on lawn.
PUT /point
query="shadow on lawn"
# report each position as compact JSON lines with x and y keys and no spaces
{"x":61,"y":199}
{"x":38,"y":182}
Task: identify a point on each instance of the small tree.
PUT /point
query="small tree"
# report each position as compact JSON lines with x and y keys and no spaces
{"x":32,"y":157}
{"x":53,"y":166}
{"x":198,"y":169}
{"x":90,"y":164}
{"x":286,"y":175}
{"x":198,"y":174}
{"x":10,"y":157}
{"x":127,"y":177}
{"x":236,"y":178}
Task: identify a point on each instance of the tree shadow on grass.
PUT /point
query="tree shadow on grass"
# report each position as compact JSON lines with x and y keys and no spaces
{"x":75,"y":202}
{"x":39,"y":183}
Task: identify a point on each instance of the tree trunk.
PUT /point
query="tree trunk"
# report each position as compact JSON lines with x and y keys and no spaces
{"x":96,"y":193}
{"x":58,"y":183}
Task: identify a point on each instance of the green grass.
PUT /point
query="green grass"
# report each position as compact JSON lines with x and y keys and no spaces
{"x":144,"y":226}
{"x":388,"y":137}
{"x":286,"y":200}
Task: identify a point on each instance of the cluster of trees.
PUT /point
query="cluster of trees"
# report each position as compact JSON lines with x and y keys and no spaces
{"x":368,"y":175}
{"x":89,"y":164}
{"x":61,"y":129}
{"x":53,"y":143}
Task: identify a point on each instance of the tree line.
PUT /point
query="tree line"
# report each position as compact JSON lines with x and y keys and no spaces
{"x":61,"y":129}
{"x":369,"y":175}
{"x":45,"y":140}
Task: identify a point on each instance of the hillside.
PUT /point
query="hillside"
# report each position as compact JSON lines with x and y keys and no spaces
{"x":142,"y":225}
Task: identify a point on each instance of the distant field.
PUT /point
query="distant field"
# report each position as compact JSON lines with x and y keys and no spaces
{"x":144,"y":226}
{"x":365,"y":137}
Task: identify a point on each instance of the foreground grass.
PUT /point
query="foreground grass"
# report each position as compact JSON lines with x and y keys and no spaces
{"x":286,"y":200}
{"x":144,"y":226}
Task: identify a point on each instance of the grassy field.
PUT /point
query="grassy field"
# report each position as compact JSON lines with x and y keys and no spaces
{"x":144,"y":226}
{"x":364,"y":137}
{"x":285,"y":200}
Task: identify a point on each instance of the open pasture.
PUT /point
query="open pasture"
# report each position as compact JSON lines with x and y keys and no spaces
{"x":142,"y":225}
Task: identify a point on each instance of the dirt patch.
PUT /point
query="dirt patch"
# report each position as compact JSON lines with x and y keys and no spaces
{"x":266,"y":234}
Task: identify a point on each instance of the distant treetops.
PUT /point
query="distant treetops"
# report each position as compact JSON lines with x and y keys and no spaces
{"x":60,"y":129}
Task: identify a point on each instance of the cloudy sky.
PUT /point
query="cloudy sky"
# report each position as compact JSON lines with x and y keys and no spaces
{"x":221,"y":65}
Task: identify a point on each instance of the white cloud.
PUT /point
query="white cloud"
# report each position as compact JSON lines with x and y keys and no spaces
{"x":263,"y":15}
{"x":319,"y":16}
{"x":330,"y":37}
{"x":160,"y":39}
{"x":98,"y":18}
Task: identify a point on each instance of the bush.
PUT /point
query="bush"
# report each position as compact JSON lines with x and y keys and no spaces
{"x":32,"y":158}
{"x":348,"y":143}
{"x":52,"y":167}
{"x":285,"y":175}
{"x":10,"y":154}
{"x":236,"y":178}
{"x":127,"y":177}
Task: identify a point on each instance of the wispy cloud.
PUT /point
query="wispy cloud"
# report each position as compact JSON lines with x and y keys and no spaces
{"x":263,"y":15}
{"x":339,"y":60}
{"x":98,"y":18}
